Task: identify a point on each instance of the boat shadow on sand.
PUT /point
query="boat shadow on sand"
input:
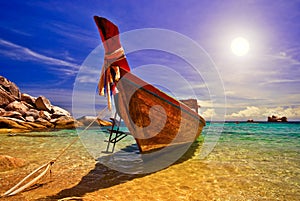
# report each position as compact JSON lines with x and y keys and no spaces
{"x":102,"y":176}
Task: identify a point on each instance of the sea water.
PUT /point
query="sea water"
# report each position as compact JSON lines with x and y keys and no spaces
{"x":250,"y":161}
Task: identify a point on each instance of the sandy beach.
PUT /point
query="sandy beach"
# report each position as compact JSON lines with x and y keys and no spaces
{"x":233,"y":171}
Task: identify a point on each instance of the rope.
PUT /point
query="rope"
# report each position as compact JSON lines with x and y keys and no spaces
{"x":18,"y":188}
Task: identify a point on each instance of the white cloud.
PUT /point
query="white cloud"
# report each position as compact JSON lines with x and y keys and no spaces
{"x":18,"y":52}
{"x":261,"y":113}
{"x":208,"y":114}
{"x":77,"y":33}
{"x":87,"y":79}
{"x":279,"y":81}
{"x":205,"y":103}
{"x":250,"y":111}
{"x":18,"y":31}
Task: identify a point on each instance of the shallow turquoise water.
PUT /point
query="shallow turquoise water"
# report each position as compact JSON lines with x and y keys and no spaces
{"x":261,"y":139}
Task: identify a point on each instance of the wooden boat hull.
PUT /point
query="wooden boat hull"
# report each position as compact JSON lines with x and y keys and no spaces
{"x":155,"y":119}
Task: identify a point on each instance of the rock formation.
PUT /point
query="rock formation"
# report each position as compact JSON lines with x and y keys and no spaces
{"x":93,"y":121}
{"x":42,"y":103}
{"x":274,"y":118}
{"x":87,"y":120}
{"x":24,"y":112}
{"x":9,"y":92}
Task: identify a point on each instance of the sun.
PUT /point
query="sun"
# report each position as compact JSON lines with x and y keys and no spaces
{"x":240,"y":46}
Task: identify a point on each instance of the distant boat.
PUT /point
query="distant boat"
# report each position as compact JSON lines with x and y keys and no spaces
{"x":155,"y":119}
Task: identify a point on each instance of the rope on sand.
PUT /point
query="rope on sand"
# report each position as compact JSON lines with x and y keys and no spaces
{"x":21,"y":186}
{"x":14,"y":189}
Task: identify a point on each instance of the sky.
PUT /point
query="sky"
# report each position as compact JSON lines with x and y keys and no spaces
{"x":53,"y":48}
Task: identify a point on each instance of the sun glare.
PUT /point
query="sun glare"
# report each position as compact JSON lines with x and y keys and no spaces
{"x":240,"y":46}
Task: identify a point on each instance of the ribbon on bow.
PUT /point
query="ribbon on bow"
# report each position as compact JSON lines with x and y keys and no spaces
{"x":110,"y":75}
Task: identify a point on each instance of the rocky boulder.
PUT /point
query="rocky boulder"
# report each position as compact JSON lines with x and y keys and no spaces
{"x":34,"y":113}
{"x":28,"y":99}
{"x":42,"y":103}
{"x":87,"y":120}
{"x":45,"y":115}
{"x":58,"y":112}
{"x":10,"y":88}
{"x":17,"y":106}
{"x":27,"y":105}
{"x":5,"y":98}
{"x":33,"y":125}
{"x":2,"y":111}
{"x":44,"y":122}
{"x":13,"y":114}
{"x":29,"y":118}
{"x":8,"y":122}
{"x":66,"y":122}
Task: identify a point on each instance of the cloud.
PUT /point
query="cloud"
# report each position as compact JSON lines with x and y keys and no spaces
{"x":19,"y":32}
{"x":18,"y":52}
{"x":250,"y":111}
{"x":280,"y":81}
{"x":70,"y":31}
{"x":205,"y":103}
{"x":208,"y":114}
{"x":86,"y":79}
{"x":261,"y":113}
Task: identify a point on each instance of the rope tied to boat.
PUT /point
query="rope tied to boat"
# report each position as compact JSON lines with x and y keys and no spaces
{"x":110,"y":74}
{"x":19,"y":187}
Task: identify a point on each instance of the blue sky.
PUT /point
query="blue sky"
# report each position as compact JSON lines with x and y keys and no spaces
{"x":43,"y":45}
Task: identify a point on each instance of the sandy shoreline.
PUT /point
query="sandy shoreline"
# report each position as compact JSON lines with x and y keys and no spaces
{"x":66,"y":172}
{"x":75,"y":175}
{"x":231,"y":172}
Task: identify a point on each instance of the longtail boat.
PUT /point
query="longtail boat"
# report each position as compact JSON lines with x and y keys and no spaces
{"x":155,"y":119}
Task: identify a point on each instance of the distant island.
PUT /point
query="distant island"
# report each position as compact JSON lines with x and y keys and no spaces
{"x":274,"y":118}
